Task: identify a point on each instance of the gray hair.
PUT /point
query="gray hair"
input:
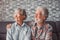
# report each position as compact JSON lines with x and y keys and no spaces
{"x":22,"y":11}
{"x":45,"y":11}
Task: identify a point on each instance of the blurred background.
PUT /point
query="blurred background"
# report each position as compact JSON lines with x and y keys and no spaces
{"x":7,"y":8}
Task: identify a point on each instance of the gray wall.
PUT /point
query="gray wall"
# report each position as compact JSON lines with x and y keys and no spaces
{"x":7,"y":8}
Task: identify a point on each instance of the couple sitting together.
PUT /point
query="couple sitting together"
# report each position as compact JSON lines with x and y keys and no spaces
{"x":19,"y":30}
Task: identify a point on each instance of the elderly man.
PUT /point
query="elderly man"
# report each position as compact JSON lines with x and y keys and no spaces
{"x":40,"y":29}
{"x":19,"y":30}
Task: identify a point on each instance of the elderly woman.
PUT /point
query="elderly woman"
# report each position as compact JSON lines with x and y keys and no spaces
{"x":19,"y":30}
{"x":41,"y":30}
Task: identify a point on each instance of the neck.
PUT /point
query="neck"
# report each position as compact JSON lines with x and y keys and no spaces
{"x":40,"y":24}
{"x":20,"y":23}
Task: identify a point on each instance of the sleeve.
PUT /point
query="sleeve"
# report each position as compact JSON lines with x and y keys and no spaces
{"x":28,"y":35}
{"x":49,"y":33}
{"x":8,"y":35}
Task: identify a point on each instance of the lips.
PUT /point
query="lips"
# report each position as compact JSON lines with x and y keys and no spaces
{"x":38,"y":20}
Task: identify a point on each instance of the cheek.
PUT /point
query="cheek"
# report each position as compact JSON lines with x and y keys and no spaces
{"x":35,"y":16}
{"x":16,"y":18}
{"x":43,"y":17}
{"x":21,"y":18}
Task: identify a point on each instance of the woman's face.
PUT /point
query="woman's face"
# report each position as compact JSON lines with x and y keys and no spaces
{"x":39,"y":16}
{"x":19,"y":17}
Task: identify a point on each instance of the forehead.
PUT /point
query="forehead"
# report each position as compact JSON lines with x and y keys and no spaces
{"x":40,"y":11}
{"x":17,"y":13}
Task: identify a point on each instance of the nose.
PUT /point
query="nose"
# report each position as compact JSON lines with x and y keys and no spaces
{"x":39,"y":16}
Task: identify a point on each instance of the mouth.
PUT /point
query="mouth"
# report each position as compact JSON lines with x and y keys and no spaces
{"x":38,"y":20}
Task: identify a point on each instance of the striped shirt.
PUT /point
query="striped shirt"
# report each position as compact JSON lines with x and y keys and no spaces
{"x":42,"y":33}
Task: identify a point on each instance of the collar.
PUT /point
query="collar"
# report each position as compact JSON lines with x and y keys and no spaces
{"x":19,"y":25}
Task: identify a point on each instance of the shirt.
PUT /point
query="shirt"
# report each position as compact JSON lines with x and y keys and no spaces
{"x":42,"y":33}
{"x":17,"y":32}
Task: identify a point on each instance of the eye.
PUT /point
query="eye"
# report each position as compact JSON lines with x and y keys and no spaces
{"x":21,"y":14}
{"x":16,"y":16}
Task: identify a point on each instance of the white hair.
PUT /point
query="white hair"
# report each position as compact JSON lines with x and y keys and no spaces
{"x":44,"y":9}
{"x":22,"y":11}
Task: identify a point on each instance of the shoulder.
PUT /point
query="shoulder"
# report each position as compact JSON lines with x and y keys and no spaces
{"x":49,"y":27}
{"x":9,"y":26}
{"x":27,"y":27}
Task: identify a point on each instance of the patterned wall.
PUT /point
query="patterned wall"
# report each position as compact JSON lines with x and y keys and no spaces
{"x":7,"y":8}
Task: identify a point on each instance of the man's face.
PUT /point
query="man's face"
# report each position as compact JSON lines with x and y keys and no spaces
{"x":39,"y":16}
{"x":19,"y":17}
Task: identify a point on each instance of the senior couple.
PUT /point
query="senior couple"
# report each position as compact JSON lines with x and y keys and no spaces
{"x":40,"y":30}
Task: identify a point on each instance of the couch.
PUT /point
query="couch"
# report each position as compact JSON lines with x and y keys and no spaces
{"x":55,"y":25}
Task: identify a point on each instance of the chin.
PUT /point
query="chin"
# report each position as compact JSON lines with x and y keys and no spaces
{"x":39,"y":21}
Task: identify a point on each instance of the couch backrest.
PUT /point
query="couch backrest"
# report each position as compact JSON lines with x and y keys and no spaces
{"x":3,"y":25}
{"x":53,"y":24}
{"x":58,"y":26}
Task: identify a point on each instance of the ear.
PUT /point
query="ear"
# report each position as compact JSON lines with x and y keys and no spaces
{"x":14,"y":15}
{"x":35,"y":16}
{"x":24,"y":17}
{"x":44,"y":17}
